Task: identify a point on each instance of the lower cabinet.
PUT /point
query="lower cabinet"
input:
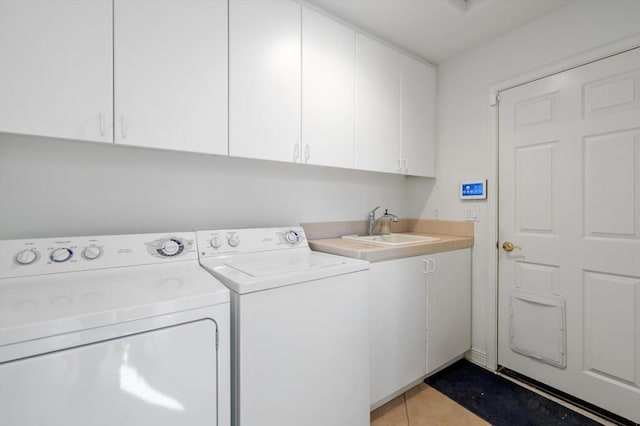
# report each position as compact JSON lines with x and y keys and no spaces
{"x":398,"y":316}
{"x":448,"y":307}
{"x":420,"y":318}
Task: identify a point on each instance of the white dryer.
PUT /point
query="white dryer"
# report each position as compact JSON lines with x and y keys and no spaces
{"x":112,"y":330}
{"x":300,"y":333}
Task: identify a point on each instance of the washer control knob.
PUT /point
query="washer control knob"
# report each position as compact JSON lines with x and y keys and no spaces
{"x":215,"y":243}
{"x":291,"y":237}
{"x":27,"y":257}
{"x":233,"y":241}
{"x":92,"y":252}
{"x":62,"y":254}
{"x":172,"y":247}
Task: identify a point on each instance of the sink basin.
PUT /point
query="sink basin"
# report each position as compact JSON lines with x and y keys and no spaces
{"x":392,"y":239}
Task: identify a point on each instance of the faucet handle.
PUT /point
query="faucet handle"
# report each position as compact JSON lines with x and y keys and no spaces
{"x":373,"y":212}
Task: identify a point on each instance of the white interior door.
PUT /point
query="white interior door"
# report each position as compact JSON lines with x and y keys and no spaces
{"x":569,"y":298}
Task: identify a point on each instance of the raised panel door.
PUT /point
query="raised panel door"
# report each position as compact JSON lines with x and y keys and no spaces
{"x":570,"y":200}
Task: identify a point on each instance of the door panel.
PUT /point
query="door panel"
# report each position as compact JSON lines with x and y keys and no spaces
{"x":171,"y":74}
{"x":328,"y":91}
{"x":56,"y":68}
{"x":570,"y":198}
{"x":161,"y":377}
{"x":265,"y":79}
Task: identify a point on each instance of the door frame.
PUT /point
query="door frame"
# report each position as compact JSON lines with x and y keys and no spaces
{"x":491,"y":301}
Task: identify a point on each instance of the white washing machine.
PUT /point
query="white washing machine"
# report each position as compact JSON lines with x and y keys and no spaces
{"x":299,"y":328}
{"x":112,"y":330}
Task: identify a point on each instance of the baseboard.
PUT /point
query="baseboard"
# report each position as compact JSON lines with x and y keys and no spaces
{"x":395,"y":394}
{"x":477,"y":357}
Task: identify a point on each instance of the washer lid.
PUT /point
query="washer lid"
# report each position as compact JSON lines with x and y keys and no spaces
{"x":45,"y":305}
{"x":267,"y":264}
{"x":261,"y":271}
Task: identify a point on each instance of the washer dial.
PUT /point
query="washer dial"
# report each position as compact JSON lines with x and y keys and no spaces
{"x":92,"y":252}
{"x":291,"y":237}
{"x":170,"y":247}
{"x":27,"y":257}
{"x":233,"y":241}
{"x":215,"y":243}
{"x":62,"y":254}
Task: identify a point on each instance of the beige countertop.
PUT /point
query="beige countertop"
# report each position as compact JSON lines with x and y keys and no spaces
{"x":379,"y":253}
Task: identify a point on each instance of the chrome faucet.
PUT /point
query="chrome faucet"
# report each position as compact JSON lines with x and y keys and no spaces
{"x":372,"y":221}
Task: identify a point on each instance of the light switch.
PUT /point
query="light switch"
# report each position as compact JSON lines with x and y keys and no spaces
{"x":472,"y":214}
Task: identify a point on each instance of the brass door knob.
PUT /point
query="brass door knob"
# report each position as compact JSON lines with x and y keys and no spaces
{"x":509,"y":247}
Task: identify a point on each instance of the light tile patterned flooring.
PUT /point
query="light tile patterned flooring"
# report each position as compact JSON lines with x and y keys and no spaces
{"x":423,"y":406}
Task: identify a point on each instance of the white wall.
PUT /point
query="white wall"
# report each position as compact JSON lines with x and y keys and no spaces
{"x":463,"y":111}
{"x":52,"y":187}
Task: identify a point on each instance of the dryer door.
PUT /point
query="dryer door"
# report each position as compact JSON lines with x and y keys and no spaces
{"x":161,"y":377}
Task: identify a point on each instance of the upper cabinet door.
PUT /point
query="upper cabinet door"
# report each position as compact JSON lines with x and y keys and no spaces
{"x":171,"y":74}
{"x":328,"y":91}
{"x":264,"y":79}
{"x":377,"y":106}
{"x":418,"y":117}
{"x":56,"y":68}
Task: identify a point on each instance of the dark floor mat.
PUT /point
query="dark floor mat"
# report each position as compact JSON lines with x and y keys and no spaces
{"x":500,"y":401}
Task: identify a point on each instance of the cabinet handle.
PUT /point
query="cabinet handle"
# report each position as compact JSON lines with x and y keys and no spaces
{"x":405,"y":165}
{"x":432,"y":265}
{"x":307,"y":153}
{"x":425,"y":270}
{"x":123,"y":128}
{"x":399,"y":161}
{"x":296,"y":153}
{"x":101,"y":123}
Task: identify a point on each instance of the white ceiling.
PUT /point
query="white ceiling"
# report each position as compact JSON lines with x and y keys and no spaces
{"x":437,"y":30}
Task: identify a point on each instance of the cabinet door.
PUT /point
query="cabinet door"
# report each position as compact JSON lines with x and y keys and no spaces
{"x":397,"y":330}
{"x":56,"y":68}
{"x":264,"y":79}
{"x":448,"y":307}
{"x":171,"y":74}
{"x":328,"y":91}
{"x":418,"y":117}
{"x":377,"y":106}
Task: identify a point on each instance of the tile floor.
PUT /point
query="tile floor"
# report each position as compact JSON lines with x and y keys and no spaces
{"x":423,"y":406}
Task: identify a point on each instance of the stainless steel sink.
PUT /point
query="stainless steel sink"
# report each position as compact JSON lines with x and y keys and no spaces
{"x":392,"y":239}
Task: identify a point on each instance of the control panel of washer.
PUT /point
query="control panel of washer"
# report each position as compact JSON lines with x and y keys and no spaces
{"x":228,"y":241}
{"x":51,"y":255}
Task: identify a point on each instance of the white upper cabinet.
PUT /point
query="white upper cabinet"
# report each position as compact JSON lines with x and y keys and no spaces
{"x":418,"y":117}
{"x":56,"y":68}
{"x":378,"y":100}
{"x":328,"y":91}
{"x":171,"y":74}
{"x":265,"y":79}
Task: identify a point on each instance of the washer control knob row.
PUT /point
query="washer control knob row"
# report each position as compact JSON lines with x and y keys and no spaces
{"x":62,"y":254}
{"x":27,"y":257}
{"x":233,"y":241}
{"x":92,"y":252}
